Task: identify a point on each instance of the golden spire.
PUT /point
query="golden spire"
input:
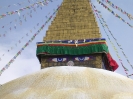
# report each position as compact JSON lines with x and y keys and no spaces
{"x":74,"y":20}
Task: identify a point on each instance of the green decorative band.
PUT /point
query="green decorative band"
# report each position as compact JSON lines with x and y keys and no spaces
{"x":69,"y":50}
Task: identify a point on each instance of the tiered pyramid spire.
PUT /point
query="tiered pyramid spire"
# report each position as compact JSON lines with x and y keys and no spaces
{"x":74,"y":20}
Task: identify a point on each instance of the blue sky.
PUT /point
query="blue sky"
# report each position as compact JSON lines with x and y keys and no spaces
{"x":27,"y":62}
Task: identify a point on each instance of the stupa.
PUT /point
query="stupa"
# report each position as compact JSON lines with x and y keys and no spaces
{"x":75,"y":62}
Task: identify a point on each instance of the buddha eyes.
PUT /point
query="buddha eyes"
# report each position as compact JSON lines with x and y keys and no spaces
{"x":59,"y":59}
{"x":82,"y":58}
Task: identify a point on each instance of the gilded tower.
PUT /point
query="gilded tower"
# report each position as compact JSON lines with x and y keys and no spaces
{"x":73,"y":38}
{"x":74,"y":20}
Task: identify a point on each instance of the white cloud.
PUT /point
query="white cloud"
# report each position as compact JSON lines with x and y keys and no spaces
{"x":21,"y":66}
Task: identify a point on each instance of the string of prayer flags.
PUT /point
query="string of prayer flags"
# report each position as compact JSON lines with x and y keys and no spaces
{"x":16,"y":4}
{"x":12,"y":22}
{"x":118,"y":8}
{"x":13,"y":26}
{"x":22,"y":9}
{"x":19,"y":41}
{"x":116,"y":51}
{"x":114,"y":13}
{"x":24,"y":16}
{"x":125,"y":69}
{"x":119,"y":47}
{"x":116,"y":41}
{"x":130,"y":75}
{"x":33,"y":37}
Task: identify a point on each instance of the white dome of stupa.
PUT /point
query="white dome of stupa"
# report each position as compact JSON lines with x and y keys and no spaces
{"x":67,"y":82}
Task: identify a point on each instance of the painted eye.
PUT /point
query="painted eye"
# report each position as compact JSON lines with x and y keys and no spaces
{"x":87,"y":58}
{"x":59,"y":59}
{"x":79,"y":58}
{"x":82,"y":58}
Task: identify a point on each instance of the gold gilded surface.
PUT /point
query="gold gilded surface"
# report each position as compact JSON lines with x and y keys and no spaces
{"x":74,"y":20}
